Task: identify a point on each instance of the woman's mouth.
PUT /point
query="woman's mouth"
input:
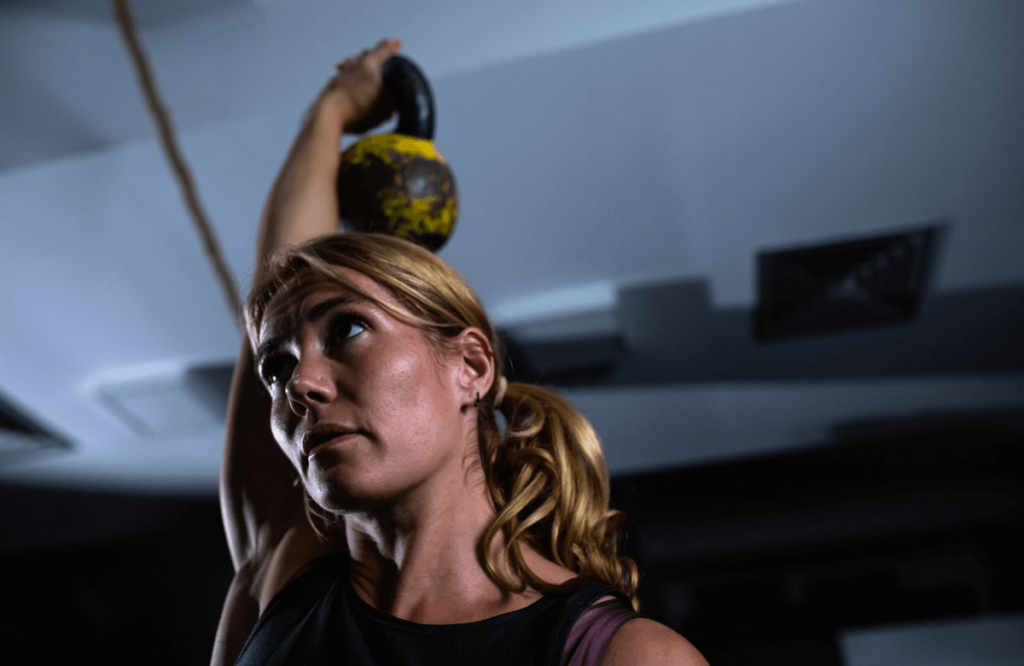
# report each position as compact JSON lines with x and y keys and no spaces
{"x":321,"y":434}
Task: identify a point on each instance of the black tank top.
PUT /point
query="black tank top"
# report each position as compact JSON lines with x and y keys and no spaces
{"x":318,"y":619}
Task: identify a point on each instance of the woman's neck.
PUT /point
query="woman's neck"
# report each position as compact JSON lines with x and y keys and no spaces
{"x":419,"y":559}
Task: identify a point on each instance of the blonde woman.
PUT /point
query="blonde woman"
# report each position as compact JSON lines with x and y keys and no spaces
{"x":376,"y":511}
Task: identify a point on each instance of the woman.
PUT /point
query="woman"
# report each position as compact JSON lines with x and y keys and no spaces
{"x":401,"y":525}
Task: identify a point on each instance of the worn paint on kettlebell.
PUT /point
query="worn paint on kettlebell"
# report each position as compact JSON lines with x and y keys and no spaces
{"x":392,"y":149}
{"x":398,"y":185}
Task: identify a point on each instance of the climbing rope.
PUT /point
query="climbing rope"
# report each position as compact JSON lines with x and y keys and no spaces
{"x":168,"y":140}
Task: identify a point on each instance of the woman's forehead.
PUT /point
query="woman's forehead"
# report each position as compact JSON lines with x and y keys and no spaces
{"x":303,"y":300}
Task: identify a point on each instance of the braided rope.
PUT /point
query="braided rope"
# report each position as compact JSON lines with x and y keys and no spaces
{"x":169,"y":142}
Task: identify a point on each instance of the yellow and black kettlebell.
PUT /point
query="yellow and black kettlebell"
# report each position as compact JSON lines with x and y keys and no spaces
{"x":398,"y":183}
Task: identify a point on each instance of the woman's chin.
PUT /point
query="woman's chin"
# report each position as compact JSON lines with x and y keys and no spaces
{"x":344,"y":496}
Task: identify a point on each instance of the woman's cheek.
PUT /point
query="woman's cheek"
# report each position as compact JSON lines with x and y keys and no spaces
{"x":400,"y":399}
{"x":400,"y":380}
{"x":279,"y":428}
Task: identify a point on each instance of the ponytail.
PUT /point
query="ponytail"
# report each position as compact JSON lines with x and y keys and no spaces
{"x":548,"y":479}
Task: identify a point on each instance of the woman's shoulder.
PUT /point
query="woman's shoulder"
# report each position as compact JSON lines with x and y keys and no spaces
{"x":643,"y":641}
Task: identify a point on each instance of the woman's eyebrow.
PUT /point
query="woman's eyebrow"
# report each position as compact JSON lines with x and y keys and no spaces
{"x":312,"y":315}
{"x":267,"y":347}
{"x":320,"y":309}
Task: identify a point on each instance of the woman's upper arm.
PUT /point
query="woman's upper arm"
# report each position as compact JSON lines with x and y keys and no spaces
{"x":643,"y":641}
{"x":238,"y":617}
{"x":259,"y":500}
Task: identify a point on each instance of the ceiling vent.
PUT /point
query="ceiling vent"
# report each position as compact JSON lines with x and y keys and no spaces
{"x":842,"y":286}
{"x":21,"y":436}
{"x":167,"y":399}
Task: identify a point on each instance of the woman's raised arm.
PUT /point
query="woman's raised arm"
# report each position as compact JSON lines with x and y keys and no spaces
{"x":262,"y":506}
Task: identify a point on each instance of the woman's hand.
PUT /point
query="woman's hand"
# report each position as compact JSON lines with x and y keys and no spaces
{"x":303,"y":203}
{"x":357,"y":92}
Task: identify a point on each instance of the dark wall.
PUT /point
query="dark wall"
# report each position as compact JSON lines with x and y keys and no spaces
{"x":125,"y":579}
{"x":768,"y":560}
{"x":755,"y":561}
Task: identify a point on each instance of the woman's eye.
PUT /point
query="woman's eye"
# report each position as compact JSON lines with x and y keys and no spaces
{"x":274,"y":369}
{"x":347,"y":328}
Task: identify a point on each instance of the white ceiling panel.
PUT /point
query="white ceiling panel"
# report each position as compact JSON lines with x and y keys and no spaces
{"x":640,"y":145}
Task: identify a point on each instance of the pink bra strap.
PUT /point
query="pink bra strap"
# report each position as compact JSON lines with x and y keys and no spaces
{"x":593,"y":631}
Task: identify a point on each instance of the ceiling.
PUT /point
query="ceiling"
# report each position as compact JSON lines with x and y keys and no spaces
{"x":629,"y":160}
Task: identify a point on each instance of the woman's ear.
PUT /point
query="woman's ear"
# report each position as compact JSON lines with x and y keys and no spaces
{"x":474,"y":364}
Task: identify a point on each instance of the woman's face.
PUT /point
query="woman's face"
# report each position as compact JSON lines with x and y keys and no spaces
{"x":362,"y":404}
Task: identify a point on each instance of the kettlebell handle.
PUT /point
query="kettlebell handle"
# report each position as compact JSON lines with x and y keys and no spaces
{"x":413,"y":99}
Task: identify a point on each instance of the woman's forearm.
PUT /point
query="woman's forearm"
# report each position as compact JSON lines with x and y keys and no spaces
{"x":302,"y":203}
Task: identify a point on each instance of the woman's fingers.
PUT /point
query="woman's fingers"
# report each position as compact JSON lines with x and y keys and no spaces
{"x":356,"y":88}
{"x":375,"y":57}
{"x":380,"y":53}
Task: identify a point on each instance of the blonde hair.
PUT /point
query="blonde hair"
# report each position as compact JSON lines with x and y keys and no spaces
{"x":546,"y":474}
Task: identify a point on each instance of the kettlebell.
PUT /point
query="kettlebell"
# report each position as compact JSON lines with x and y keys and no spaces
{"x":397,"y":183}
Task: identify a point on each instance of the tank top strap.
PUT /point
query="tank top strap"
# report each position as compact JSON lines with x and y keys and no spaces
{"x":572,"y":608}
{"x":594,"y":629}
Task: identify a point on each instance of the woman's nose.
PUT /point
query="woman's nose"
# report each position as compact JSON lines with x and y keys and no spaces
{"x":310,"y":386}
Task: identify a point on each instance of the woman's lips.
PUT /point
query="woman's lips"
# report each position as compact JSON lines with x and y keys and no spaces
{"x":326,"y":443}
{"x":321,"y":434}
